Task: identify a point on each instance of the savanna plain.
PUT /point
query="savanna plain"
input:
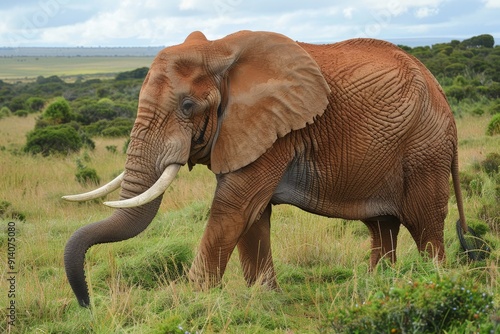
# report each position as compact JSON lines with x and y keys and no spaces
{"x":140,"y":286}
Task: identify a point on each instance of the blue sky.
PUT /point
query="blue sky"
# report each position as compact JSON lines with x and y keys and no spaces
{"x":160,"y":22}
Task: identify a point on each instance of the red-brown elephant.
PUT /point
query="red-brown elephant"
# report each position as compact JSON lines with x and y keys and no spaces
{"x":358,"y":130}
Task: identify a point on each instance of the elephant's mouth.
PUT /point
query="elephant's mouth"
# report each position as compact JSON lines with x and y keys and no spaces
{"x":153,"y":192}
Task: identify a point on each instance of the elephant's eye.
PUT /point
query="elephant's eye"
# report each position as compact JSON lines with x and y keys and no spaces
{"x":187,"y":106}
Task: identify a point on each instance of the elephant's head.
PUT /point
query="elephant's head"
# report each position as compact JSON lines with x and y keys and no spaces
{"x":221,"y":103}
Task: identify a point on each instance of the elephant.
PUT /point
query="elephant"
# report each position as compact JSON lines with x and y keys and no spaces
{"x":358,"y":130}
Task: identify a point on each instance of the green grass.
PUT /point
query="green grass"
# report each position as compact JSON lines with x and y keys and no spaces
{"x":29,"y":68}
{"x":136,"y":286}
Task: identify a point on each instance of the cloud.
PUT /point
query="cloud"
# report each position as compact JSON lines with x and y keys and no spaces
{"x":348,"y":12}
{"x":424,"y":12}
{"x":492,"y":3}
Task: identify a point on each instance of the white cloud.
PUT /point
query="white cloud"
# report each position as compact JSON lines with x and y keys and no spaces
{"x":492,"y":3}
{"x":348,"y":12}
{"x":424,"y":12}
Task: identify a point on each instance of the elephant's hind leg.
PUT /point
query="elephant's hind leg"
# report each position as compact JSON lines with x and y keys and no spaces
{"x":384,"y":233}
{"x":254,"y":249}
{"x":424,"y":214}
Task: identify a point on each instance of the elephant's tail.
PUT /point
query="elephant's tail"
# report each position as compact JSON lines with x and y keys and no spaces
{"x":458,"y":192}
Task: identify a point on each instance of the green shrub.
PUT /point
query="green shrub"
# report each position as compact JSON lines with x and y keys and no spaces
{"x":422,"y":306}
{"x":116,"y":131}
{"x":58,"y":111}
{"x":21,"y":113}
{"x":494,"y":126}
{"x":35,"y":104}
{"x":495,"y":108}
{"x":5,"y":112}
{"x":53,"y":139}
{"x":111,"y":148}
{"x":117,"y":127}
{"x":477,"y":111}
{"x":87,"y":175}
{"x":7,"y":212}
{"x":491,"y":164}
{"x":472,"y":184}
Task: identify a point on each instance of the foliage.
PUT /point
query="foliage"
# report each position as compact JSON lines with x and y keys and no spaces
{"x":118,"y":127}
{"x":58,"y":112}
{"x":422,"y":306}
{"x":86,"y":175}
{"x":21,"y":113}
{"x":491,"y":163}
{"x":7,"y":212}
{"x":53,"y":139}
{"x":139,"y":73}
{"x":5,"y":112}
{"x":484,"y":40}
{"x":494,"y":126}
{"x":35,"y":104}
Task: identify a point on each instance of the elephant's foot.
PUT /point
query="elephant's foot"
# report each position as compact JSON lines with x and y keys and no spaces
{"x":434,"y":249}
{"x":202,"y":278}
{"x":384,"y":235}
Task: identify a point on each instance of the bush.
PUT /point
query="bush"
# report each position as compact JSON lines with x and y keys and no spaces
{"x":111,"y":148}
{"x":21,"y":113}
{"x":5,"y":112}
{"x":87,"y":175}
{"x":58,"y":112}
{"x":423,"y":306}
{"x":471,"y":183}
{"x":53,"y":139}
{"x":118,"y":127}
{"x":491,"y":164}
{"x":35,"y":104}
{"x":495,"y":108}
{"x":6,"y":212}
{"x":494,"y":126}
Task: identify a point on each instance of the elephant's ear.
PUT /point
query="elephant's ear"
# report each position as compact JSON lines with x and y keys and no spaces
{"x":272,"y":86}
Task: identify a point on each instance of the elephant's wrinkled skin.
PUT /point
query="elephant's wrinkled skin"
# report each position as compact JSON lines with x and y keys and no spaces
{"x":358,"y":130}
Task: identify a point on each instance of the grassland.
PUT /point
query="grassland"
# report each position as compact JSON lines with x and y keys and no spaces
{"x":68,"y":68}
{"x":321,"y":263}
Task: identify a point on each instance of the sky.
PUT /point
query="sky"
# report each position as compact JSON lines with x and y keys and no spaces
{"x":70,"y":23}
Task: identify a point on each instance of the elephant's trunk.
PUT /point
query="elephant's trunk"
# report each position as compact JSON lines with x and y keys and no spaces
{"x":122,"y":225}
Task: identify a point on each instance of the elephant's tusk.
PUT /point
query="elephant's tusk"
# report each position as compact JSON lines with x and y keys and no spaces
{"x":99,"y":192}
{"x":156,"y":190}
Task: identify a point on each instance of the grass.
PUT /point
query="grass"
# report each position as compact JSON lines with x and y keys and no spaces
{"x":69,"y":68}
{"x":322,"y":264}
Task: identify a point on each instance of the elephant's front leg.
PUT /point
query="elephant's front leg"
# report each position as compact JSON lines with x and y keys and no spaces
{"x":240,"y":200}
{"x":217,"y":244}
{"x":254,"y":249}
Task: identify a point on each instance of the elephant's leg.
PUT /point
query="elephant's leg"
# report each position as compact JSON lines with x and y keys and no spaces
{"x":254,"y":249}
{"x":216,"y":246}
{"x":424,"y":213}
{"x":430,"y":239}
{"x":384,"y":234}
{"x":241,"y":200}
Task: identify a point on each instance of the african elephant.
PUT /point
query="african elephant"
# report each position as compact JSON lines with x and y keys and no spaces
{"x":358,"y":130}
